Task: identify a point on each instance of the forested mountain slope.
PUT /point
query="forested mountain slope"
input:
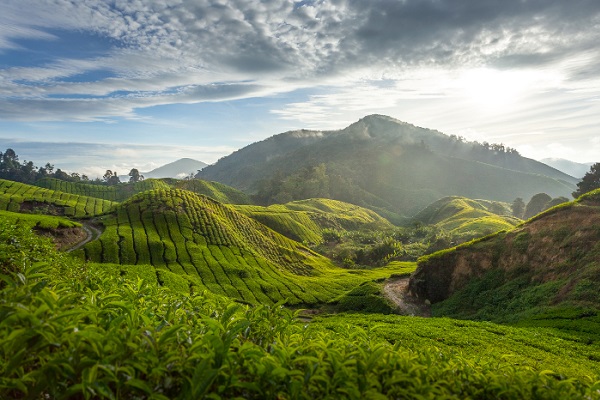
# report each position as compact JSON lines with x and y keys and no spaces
{"x":385,"y":165}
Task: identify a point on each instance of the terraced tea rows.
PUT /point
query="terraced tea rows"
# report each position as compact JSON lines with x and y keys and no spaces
{"x":20,"y":197}
{"x":305,"y":220}
{"x":116,"y":193}
{"x":38,"y":220}
{"x":215,"y":190}
{"x":215,"y":247}
{"x":468,"y":218}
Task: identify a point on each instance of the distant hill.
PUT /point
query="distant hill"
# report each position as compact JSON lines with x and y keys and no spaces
{"x":466,"y":219}
{"x":549,"y":264}
{"x":578,"y":170}
{"x":177,"y":169}
{"x":305,"y":220}
{"x":386,"y":165}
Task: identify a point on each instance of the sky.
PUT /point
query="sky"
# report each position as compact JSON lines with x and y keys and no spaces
{"x":91,"y":85}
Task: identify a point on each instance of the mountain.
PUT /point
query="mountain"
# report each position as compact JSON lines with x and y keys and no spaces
{"x":578,"y":170}
{"x":177,"y":169}
{"x":386,"y":165}
{"x":549,"y":264}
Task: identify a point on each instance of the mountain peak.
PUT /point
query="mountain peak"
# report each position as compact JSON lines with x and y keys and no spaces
{"x":176,"y":169}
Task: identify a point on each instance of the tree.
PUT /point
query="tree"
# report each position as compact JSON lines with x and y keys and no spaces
{"x":536,"y":205}
{"x":111,"y":178}
{"x":556,"y":201}
{"x":590,"y":181}
{"x":62,"y":175}
{"x":134,"y":176}
{"x":518,"y":207}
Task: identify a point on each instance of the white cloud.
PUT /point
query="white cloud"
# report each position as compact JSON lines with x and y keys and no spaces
{"x":161,"y":46}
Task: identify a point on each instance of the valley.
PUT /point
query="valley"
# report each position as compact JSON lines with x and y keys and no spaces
{"x":196,"y":289}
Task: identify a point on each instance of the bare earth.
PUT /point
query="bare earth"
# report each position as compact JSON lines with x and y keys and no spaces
{"x":396,"y":290}
{"x":92,"y":233}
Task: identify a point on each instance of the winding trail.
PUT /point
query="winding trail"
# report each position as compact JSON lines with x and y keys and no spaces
{"x":396,"y":290}
{"x":92,"y":233}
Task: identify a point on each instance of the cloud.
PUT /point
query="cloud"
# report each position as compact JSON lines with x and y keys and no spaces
{"x":164,"y":52}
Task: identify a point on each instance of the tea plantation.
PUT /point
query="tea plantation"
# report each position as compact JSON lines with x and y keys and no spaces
{"x":68,"y":331}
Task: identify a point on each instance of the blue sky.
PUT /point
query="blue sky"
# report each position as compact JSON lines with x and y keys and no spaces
{"x":95,"y":85}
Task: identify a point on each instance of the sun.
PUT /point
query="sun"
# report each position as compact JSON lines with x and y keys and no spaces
{"x":492,"y":89}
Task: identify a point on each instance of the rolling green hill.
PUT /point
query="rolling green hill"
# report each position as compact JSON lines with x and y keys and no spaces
{"x":215,"y":190}
{"x":218,"y":191}
{"x":83,"y":331}
{"x":20,"y":197}
{"x":305,"y":220}
{"x":204,"y":244}
{"x":548,"y":264}
{"x":116,"y":193}
{"x":466,"y":219}
{"x":386,"y":165}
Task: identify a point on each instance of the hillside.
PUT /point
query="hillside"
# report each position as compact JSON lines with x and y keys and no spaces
{"x":115,"y":193}
{"x":20,"y":197}
{"x":306,"y":220}
{"x":386,"y":165}
{"x":177,"y":169}
{"x":465,"y":219}
{"x":203,"y":244}
{"x":63,"y":322}
{"x":215,"y":190}
{"x":123,"y":191}
{"x":550,"y":262}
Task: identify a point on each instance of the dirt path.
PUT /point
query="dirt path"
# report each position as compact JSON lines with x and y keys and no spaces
{"x":397,"y":291}
{"x":92,"y":233}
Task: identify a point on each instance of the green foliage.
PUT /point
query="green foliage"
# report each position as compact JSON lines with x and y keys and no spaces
{"x":366,"y":298}
{"x":486,"y":345}
{"x":215,"y":190}
{"x":385,"y":165}
{"x":308,"y":220}
{"x":113,"y":193}
{"x":102,"y":336}
{"x":589,"y":182}
{"x":38,"y":220}
{"x":93,"y":333}
{"x":465,"y":219}
{"x":521,"y":242}
{"x":211,"y":246}
{"x":548,"y":262}
{"x":20,"y":197}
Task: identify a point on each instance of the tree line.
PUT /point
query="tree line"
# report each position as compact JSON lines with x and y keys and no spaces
{"x":26,"y":172}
